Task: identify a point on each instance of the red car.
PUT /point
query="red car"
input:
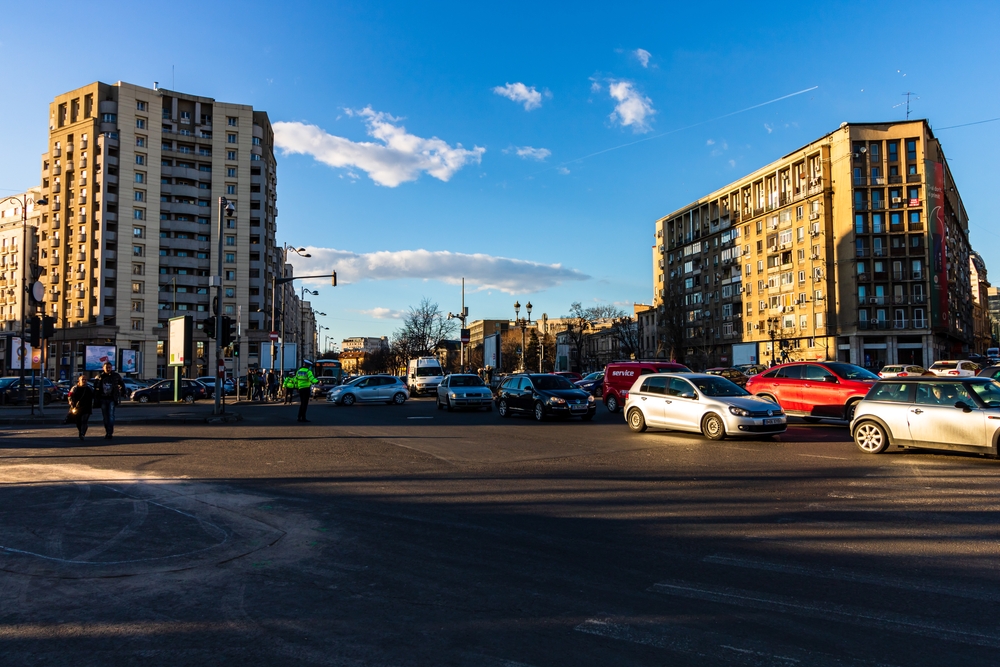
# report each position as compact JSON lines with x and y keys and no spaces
{"x":570,"y":375}
{"x":814,"y":390}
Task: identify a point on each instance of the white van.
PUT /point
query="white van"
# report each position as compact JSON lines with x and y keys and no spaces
{"x":423,"y":375}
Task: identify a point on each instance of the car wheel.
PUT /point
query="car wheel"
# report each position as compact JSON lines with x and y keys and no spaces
{"x":811,"y":420}
{"x":636,"y":421}
{"x":189,"y":399}
{"x":539,"y":412}
{"x":46,"y":399}
{"x":399,"y":398}
{"x":144,"y":399}
{"x":768,"y":397}
{"x":849,"y":410}
{"x":713,"y":427}
{"x":448,"y":406}
{"x":437,"y":401}
{"x":871,"y":438}
{"x":600,"y":392}
{"x":348,"y":399}
{"x":612,"y":403}
{"x":503,"y":409}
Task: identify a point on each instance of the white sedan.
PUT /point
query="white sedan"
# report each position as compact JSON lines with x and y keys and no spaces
{"x":954,"y":368}
{"x":463,"y":391}
{"x":700,"y":403}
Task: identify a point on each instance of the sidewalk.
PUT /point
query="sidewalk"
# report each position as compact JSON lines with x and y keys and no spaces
{"x":127,"y":413}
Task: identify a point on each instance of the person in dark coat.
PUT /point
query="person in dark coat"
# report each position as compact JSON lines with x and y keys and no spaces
{"x":81,"y":404}
{"x":110,"y":389}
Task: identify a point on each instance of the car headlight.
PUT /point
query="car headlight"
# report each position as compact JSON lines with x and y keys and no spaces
{"x":591,"y":399}
{"x":555,"y":400}
{"x":739,"y":412}
{"x":452,"y":395}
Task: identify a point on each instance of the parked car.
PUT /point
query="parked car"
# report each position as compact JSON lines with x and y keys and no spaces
{"x":544,"y":395}
{"x":10,"y":391}
{"x":323,"y":386}
{"x":572,"y":376}
{"x":163,"y":392}
{"x":957,"y":413}
{"x":961,"y":368}
{"x":209,"y":382}
{"x":593,"y":384}
{"x":990,"y":372}
{"x":460,"y":390}
{"x":131,"y":385}
{"x":814,"y":390}
{"x":750,"y":369}
{"x":901,"y":370}
{"x":701,"y":403}
{"x":370,"y":389}
{"x":620,"y":376}
{"x":734,"y":375}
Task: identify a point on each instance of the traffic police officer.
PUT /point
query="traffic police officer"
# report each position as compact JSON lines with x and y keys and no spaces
{"x":290,"y":384}
{"x":304,"y":380}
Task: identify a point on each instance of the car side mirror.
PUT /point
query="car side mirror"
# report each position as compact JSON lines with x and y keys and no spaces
{"x":965,"y":407}
{"x":830,"y":378}
{"x":689,"y":394}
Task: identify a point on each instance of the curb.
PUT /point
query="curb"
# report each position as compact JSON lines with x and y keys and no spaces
{"x":228,"y":418}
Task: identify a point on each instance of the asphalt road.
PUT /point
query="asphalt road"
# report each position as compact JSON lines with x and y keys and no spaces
{"x":385,"y":535}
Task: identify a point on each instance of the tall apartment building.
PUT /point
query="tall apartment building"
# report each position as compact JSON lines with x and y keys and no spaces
{"x":129,"y":239}
{"x":18,"y":252}
{"x":854,"y":247}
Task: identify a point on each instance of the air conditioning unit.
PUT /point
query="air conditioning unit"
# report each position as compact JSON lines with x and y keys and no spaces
{"x":814,"y":256}
{"x":772,"y":248}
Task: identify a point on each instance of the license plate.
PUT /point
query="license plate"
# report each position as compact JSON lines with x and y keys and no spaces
{"x":769,"y":422}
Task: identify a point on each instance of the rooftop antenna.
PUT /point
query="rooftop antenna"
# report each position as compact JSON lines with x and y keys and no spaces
{"x":907,"y":103}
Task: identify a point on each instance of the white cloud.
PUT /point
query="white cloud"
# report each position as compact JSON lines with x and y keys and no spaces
{"x":633,"y":109}
{"x":484,"y":271}
{"x":518,"y":92}
{"x":384,"y":313}
{"x":528,"y":152}
{"x":710,"y":142}
{"x":642,"y":55}
{"x":768,"y":127}
{"x":562,"y":170}
{"x":398,"y":158}
{"x":732,"y":163}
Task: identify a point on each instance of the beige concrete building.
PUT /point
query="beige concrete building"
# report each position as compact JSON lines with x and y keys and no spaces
{"x":134,"y":176}
{"x":364,"y":344}
{"x":854,"y":247}
{"x":18,"y":252}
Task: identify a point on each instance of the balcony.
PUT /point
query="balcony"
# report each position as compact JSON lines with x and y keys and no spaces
{"x":864,"y":277}
{"x":918,"y":299}
{"x":917,"y":275}
{"x":899,"y":324}
{"x":913,"y":178}
{"x":899,"y":275}
{"x":919,"y":324}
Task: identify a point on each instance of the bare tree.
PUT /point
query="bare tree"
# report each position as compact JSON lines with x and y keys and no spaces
{"x":626,"y":331}
{"x":423,"y":327}
{"x":584,"y":319}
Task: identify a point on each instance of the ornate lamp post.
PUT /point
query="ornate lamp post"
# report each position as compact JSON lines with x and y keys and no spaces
{"x":523,"y":323}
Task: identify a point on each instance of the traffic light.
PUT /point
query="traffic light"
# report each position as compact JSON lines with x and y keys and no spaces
{"x":48,"y":327}
{"x":334,"y":278}
{"x":236,"y":349}
{"x":35,"y":332}
{"x":209,"y":327}
{"x":227,"y":331}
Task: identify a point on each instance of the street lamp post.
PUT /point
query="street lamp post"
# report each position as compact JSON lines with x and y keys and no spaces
{"x":227,"y":209}
{"x":24,"y":200}
{"x":461,"y":317}
{"x":275,"y":281}
{"x":302,"y":327}
{"x":541,"y":343}
{"x":523,"y":323}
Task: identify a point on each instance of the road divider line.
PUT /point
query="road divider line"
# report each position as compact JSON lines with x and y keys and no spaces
{"x":827,"y":611}
{"x":853,"y":577}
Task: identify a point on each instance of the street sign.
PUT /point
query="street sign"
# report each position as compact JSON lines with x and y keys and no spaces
{"x":274,"y":336}
{"x":465,"y":335}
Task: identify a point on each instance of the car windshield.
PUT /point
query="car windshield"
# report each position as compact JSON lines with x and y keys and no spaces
{"x":426,"y":371}
{"x":355,"y":380}
{"x":719,"y":386}
{"x":466,"y":381}
{"x":6,"y":382}
{"x":851,"y":372}
{"x":989,"y":392}
{"x":550,"y":382}
{"x":592,"y":377}
{"x":944,"y":365}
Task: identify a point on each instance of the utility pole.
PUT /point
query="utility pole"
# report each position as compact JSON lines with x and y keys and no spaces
{"x":462,"y":316}
{"x":226,"y":209}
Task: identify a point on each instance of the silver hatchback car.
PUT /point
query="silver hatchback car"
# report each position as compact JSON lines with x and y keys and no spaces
{"x":370,"y":389}
{"x":958,"y":413}
{"x":701,"y":403}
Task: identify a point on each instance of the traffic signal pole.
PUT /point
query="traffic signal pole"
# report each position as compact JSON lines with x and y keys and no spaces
{"x":226,"y":209}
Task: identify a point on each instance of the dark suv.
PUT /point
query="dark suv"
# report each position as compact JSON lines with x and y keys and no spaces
{"x":544,"y":395}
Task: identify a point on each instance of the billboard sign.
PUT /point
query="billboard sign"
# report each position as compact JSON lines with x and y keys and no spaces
{"x":934,"y":173}
{"x":15,"y":353}
{"x":180,"y":332}
{"x":130,"y":361}
{"x":95,"y":356}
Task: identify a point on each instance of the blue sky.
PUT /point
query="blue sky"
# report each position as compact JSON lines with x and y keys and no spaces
{"x":442,"y":155}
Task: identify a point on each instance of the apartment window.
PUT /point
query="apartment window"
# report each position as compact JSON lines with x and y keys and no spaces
{"x":914,"y":220}
{"x":911,"y":150}
{"x":138,"y":251}
{"x":230,"y":258}
{"x":893,"y":148}
{"x":230,"y":292}
{"x":140,"y":195}
{"x":230,"y":121}
{"x":140,"y":177}
{"x":203,"y":202}
{"x":138,"y":232}
{"x":231,"y":240}
{"x":138,"y":269}
{"x":760,"y":226}
{"x":136,"y":325}
{"x":140,"y":105}
{"x":230,"y":189}
{"x":109,"y":118}
{"x":140,"y":142}
{"x":254,"y":157}
{"x":230,"y":275}
{"x":819,"y":320}
{"x":256,"y":141}
{"x":137,"y":288}
{"x":231,"y":172}
{"x":229,"y":309}
{"x":800,"y":234}
{"x":802,"y":276}
{"x":231,"y":138}
{"x":230,"y":155}
{"x":138,"y":214}
{"x":140,"y":123}
{"x":137,"y":306}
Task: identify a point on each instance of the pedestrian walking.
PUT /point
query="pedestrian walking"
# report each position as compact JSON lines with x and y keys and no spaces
{"x":290,"y":385}
{"x":110,"y":388}
{"x":272,"y":386}
{"x":304,"y":380}
{"x":81,"y":405}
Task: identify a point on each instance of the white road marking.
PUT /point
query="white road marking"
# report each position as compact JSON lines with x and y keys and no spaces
{"x":420,"y":417}
{"x":854,"y":577}
{"x":820,"y":456}
{"x":826,"y":611}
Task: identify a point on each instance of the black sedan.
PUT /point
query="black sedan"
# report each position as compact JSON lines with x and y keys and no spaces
{"x":163,"y":392}
{"x":544,"y":395}
{"x":11,"y":393}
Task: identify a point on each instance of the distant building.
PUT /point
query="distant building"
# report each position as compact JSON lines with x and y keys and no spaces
{"x":365,"y":344}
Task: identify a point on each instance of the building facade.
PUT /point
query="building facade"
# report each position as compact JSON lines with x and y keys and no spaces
{"x":853,"y":248}
{"x":18,"y":253}
{"x":366,"y":344}
{"x":129,"y":239}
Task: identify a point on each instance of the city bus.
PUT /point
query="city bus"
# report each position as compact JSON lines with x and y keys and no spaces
{"x":328,"y":368}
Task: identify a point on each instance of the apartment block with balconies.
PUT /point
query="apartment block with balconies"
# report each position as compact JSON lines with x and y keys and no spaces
{"x":134,"y":176}
{"x":854,"y":247}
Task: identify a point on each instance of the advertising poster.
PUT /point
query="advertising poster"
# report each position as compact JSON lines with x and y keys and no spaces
{"x":95,"y":356}
{"x":130,"y":359}
{"x":176,"y":342}
{"x":939,"y":248}
{"x":15,"y":352}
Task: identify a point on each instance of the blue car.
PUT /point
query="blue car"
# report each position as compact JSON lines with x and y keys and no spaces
{"x":593,"y":384}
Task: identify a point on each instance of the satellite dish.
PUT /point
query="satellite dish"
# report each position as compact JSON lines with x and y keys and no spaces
{"x":38,"y":291}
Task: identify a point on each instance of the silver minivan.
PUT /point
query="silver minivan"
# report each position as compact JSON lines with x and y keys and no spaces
{"x":959,"y":413}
